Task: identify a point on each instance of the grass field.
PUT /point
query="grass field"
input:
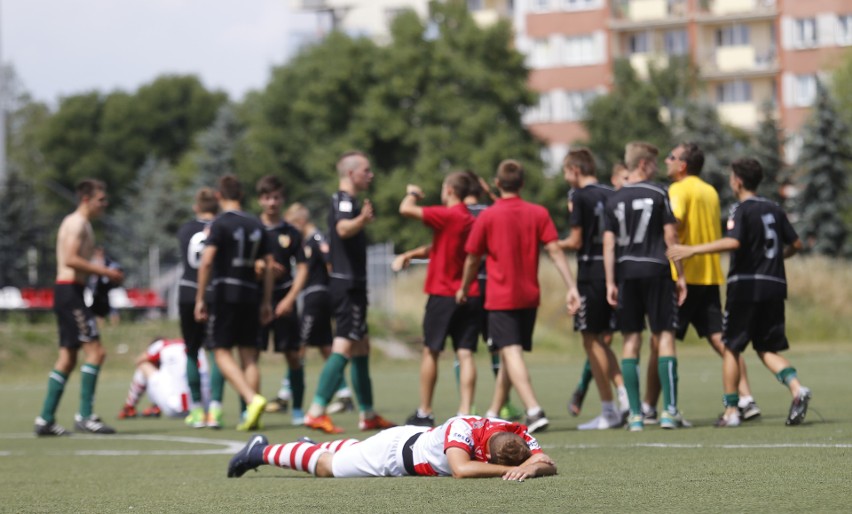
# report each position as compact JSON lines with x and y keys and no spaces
{"x":158,"y":465}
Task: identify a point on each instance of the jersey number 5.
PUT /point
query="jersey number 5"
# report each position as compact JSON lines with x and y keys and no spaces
{"x":771,"y":236}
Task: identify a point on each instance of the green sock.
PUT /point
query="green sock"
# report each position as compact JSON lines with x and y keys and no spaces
{"x":361,"y":382}
{"x":585,"y":377}
{"x":87,"y":388}
{"x":457,"y":369}
{"x":217,"y":380}
{"x":786,"y":375}
{"x":495,"y":363}
{"x":55,"y":387}
{"x":630,"y":372}
{"x":297,"y":386}
{"x":667,"y":368}
{"x":193,"y":377}
{"x":731,"y":400}
{"x":330,"y":378}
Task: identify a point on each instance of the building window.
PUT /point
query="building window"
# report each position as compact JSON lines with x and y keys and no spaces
{"x":844,"y":30}
{"x":541,"y":55}
{"x":639,"y":43}
{"x":577,"y":51}
{"x":735,"y":35}
{"x":676,"y":42}
{"x":738,"y":91}
{"x":804,"y":33}
{"x":804,"y":90}
{"x":580,"y":5}
{"x":540,"y":5}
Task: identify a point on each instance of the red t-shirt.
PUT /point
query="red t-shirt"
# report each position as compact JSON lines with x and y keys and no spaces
{"x":450,"y":226}
{"x":510,"y":232}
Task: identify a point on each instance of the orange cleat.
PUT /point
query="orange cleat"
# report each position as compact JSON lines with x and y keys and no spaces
{"x":151,"y":412}
{"x":323,"y":423}
{"x":128,"y":411}
{"x":375,"y":423}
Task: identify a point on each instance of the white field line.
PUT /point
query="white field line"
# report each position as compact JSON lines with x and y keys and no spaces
{"x":226,"y":447}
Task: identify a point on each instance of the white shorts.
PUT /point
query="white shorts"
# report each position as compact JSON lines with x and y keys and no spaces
{"x":376,"y":456}
{"x":171,"y":396}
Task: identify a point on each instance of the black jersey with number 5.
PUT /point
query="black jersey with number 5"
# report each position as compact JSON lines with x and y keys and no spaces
{"x":239,"y":239}
{"x":191,"y":236}
{"x":588,"y":214}
{"x":348,"y":256}
{"x":637,"y":214}
{"x":756,"y":271}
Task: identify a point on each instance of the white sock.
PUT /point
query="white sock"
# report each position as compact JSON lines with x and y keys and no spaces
{"x":607,"y":407}
{"x":744,"y":401}
{"x":534,"y":411}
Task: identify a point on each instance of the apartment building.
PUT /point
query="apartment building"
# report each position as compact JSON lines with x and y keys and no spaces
{"x":747,"y":52}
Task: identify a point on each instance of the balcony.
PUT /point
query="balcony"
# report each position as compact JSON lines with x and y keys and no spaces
{"x":744,"y":61}
{"x":642,"y":62}
{"x":713,"y":11}
{"x":744,"y":115}
{"x":635,"y":14}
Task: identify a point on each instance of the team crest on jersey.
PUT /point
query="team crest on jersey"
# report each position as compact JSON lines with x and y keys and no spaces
{"x":308,"y":252}
{"x":345,"y":206}
{"x":284,"y":241}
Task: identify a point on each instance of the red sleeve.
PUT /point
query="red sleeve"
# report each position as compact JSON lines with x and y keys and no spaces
{"x":476,"y":243}
{"x":548,"y":229}
{"x":436,"y":217}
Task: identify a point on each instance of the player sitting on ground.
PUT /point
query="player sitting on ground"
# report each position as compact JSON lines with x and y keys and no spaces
{"x":463,"y":447}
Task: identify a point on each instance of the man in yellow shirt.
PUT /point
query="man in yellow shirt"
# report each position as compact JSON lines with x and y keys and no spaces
{"x":695,"y":204}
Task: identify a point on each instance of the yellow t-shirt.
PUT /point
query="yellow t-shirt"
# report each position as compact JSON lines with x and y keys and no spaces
{"x":696,"y":206}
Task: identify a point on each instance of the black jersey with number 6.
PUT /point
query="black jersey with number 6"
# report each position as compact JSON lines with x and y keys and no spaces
{"x":588,"y":214}
{"x":756,"y":271}
{"x":348,"y":256}
{"x":637,"y":214}
{"x":191,"y":236}
{"x":239,"y":239}
{"x":285,"y":245}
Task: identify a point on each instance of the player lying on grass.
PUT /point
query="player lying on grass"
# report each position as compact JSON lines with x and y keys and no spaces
{"x":463,"y":447}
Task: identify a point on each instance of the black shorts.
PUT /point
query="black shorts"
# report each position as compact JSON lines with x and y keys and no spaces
{"x":234,"y":324}
{"x":507,"y":328}
{"x":595,"y":314}
{"x":703,"y":309}
{"x":77,"y":324}
{"x":284,"y":329}
{"x":350,"y":311}
{"x":194,"y":333}
{"x":444,"y":317}
{"x":315,"y":322}
{"x":483,"y":316}
{"x":762,"y":323}
{"x":655,"y":297}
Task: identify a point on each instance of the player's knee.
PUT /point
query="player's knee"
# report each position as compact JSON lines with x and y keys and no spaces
{"x":323,"y":469}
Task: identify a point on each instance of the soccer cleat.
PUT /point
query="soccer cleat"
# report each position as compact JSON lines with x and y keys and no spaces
{"x":298,"y":418}
{"x":340,"y":405}
{"x":649,"y":416}
{"x":195,"y":419}
{"x":510,"y":413}
{"x":576,"y":402}
{"x":48,"y":428}
{"x":242,"y":461}
{"x":92,"y":425}
{"x":128,"y":411}
{"x":278,"y":405}
{"x":671,"y":421}
{"x":305,"y":439}
{"x":636,"y":423}
{"x":799,"y":407}
{"x":537,"y":423}
{"x":151,"y":412}
{"x":214,"y":418}
{"x":323,"y":423}
{"x":375,"y":423}
{"x":421,"y":421}
{"x":603,"y":422}
{"x":253,"y":412}
{"x":750,"y":411}
{"x":728,"y":421}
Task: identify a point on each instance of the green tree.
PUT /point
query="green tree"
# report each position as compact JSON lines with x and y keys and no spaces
{"x":18,"y":224}
{"x":824,"y":163}
{"x":768,"y":145}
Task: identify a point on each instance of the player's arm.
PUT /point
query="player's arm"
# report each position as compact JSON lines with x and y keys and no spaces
{"x":268,"y":285}
{"x":572,"y":299}
{"x":401,"y":261}
{"x":462,"y":466}
{"x":288,"y":303}
{"x":679,"y":252}
{"x":350,"y":227}
{"x":574,"y":240}
{"x":408,"y":206}
{"x":471,"y":267}
{"x":793,"y":248}
{"x":670,"y":235}
{"x":609,"y":267}
{"x":205,"y":268}
{"x":69,"y":247}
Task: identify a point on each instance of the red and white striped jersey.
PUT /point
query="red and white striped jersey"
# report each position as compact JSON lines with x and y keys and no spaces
{"x":169,"y":355}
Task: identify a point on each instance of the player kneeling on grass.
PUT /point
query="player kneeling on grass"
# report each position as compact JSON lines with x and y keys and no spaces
{"x":161,"y":371}
{"x":463,"y":447}
{"x":759,"y":238}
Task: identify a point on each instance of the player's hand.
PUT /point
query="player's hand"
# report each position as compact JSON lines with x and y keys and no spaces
{"x":679,"y":252}
{"x":115,"y":276}
{"x":278,"y":270}
{"x":200,"y":312}
{"x":400,"y":262}
{"x":520,"y":473}
{"x":681,"y":290}
{"x":612,"y":295}
{"x":259,"y":268}
{"x":265,"y":313}
{"x":572,"y":301}
{"x":367,"y":211}
{"x":539,"y":457}
{"x":284,"y":307}
{"x":461,"y":296}
{"x":411,"y":189}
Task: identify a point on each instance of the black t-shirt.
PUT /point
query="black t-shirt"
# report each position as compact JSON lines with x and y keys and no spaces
{"x":636,"y":214}
{"x":191,"y":236}
{"x":317,"y":255}
{"x":239,"y":239}
{"x":756,"y":271}
{"x":285,"y":245}
{"x":588,"y":214}
{"x":348,"y":256}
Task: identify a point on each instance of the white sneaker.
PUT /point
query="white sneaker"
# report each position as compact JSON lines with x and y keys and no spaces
{"x":602,"y":422}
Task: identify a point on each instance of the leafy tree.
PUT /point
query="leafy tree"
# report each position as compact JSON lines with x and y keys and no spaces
{"x":841,"y":88}
{"x":18,"y":225}
{"x":824,"y":162}
{"x":768,"y":145}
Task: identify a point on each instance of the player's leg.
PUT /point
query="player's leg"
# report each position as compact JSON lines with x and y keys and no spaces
{"x":45,"y":423}
{"x":615,"y":374}
{"x":138,"y":386}
{"x":730,"y":379}
{"x":630,"y":370}
{"x":464,"y":330}
{"x":597,"y":357}
{"x":428,"y":378}
{"x":86,"y":420}
{"x":296,"y":377}
{"x":193,"y":337}
{"x":217,"y":393}
{"x":652,"y":383}
{"x":467,"y":381}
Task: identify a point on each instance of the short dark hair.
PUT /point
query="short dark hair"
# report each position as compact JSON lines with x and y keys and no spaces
{"x":269,"y":184}
{"x":87,"y":187}
{"x":510,"y":173}
{"x":749,"y":171}
{"x":205,"y":201}
{"x":459,"y":183}
{"x":474,"y":188}
{"x":583,"y":159}
{"x":230,"y":188}
{"x":508,"y":449}
{"x":344,"y":163}
{"x":693,"y":156}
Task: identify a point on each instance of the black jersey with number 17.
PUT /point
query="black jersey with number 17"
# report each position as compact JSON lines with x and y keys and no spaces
{"x":756,"y":271}
{"x":637,"y":214}
{"x":348,"y":256}
{"x":240,"y":239}
{"x":191,"y":236}
{"x":587,"y":212}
